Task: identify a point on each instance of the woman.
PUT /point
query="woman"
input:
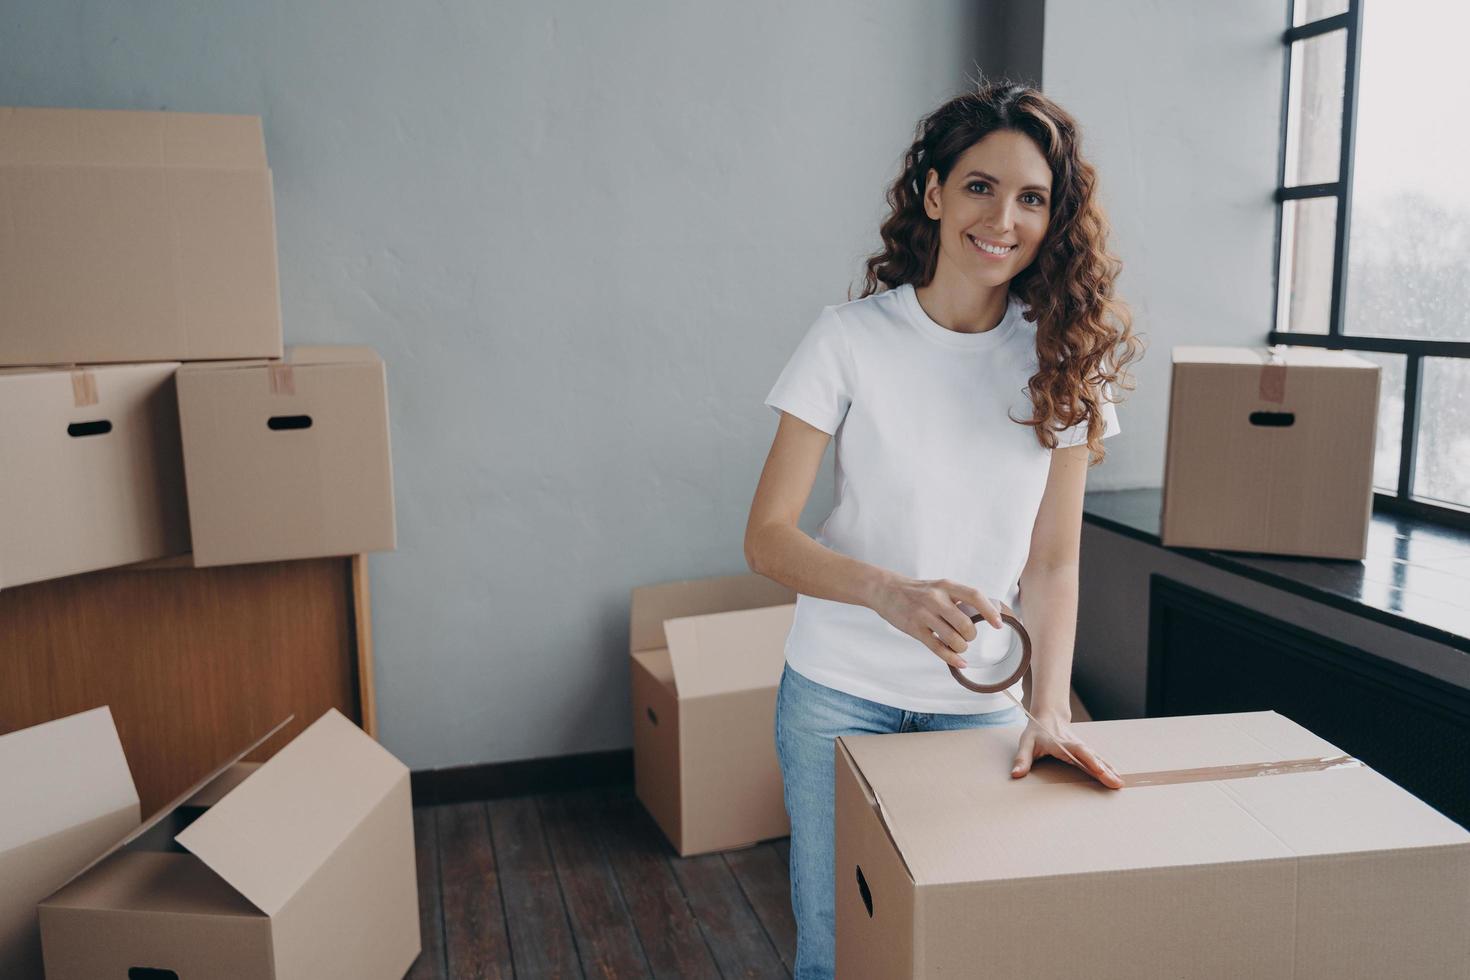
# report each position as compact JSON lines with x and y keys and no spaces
{"x":968,"y":398}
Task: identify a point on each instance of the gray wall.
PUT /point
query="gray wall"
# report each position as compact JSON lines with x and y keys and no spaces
{"x":585,"y":237}
{"x":1180,"y":106}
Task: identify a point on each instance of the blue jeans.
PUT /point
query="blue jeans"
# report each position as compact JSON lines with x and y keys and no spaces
{"x":809,"y":716}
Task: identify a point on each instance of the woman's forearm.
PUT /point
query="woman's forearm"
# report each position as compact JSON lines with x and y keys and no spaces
{"x":786,"y":554}
{"x":1050,"y":600}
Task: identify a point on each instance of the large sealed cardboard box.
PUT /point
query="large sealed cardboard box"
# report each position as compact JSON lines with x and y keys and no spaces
{"x":67,"y":796}
{"x":287,"y":459}
{"x":135,"y":236}
{"x":303,"y":868}
{"x":90,"y":471}
{"x":1270,"y":451}
{"x":1244,"y":846}
{"x":706,"y":657}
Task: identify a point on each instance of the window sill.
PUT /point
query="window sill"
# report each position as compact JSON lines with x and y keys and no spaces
{"x":1416,"y":576}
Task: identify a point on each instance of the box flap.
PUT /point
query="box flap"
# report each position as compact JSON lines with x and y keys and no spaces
{"x":61,"y":774}
{"x":178,"y":801}
{"x":235,"y":364}
{"x":652,"y":604}
{"x":729,"y":651}
{"x":271,"y":834}
{"x":91,"y":137}
{"x":1258,"y":356}
{"x":956,"y":815}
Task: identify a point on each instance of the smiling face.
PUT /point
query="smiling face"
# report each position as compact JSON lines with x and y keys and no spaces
{"x":993,"y":210}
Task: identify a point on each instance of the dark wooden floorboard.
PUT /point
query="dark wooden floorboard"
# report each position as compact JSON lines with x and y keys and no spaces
{"x":583,"y":883}
{"x":430,"y":964}
{"x":639,"y":855}
{"x":606,"y":940}
{"x":740,"y":946}
{"x":475,"y":941}
{"x":762,"y":875}
{"x":540,"y":938}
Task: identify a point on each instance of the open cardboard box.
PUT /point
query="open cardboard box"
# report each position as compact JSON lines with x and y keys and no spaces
{"x":287,"y":459}
{"x":90,"y":470}
{"x":65,"y":795}
{"x":301,"y":867}
{"x":706,"y":657}
{"x":947,"y":866}
{"x":135,"y":236}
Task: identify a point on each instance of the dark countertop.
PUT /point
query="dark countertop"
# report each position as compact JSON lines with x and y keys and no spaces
{"x":1416,"y":576}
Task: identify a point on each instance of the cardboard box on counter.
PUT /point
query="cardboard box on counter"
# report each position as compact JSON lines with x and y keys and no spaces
{"x":300,"y":868}
{"x":90,"y":470}
{"x":287,"y":459}
{"x":1270,"y":451}
{"x":706,"y":657}
{"x":67,"y":796}
{"x":947,"y":866}
{"x":135,"y":236}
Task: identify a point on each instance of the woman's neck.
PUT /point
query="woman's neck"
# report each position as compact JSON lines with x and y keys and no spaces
{"x":963,"y":307}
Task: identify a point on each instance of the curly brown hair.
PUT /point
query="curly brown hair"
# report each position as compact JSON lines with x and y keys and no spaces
{"x":1084,"y":336}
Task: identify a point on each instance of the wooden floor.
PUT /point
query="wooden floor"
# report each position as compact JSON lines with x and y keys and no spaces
{"x":584,"y":885}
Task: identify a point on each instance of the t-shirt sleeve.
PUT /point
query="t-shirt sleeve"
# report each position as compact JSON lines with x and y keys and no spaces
{"x":1077,"y":435}
{"x":817,"y":383}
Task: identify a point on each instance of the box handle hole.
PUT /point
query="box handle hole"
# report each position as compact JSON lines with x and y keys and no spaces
{"x":98,"y":428}
{"x":863,"y":891}
{"x":651,"y":716}
{"x":1274,"y":420}
{"x":282,"y":423}
{"x":151,"y":973}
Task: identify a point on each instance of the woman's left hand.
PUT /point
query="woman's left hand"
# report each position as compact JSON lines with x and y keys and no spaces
{"x":1037,"y":742}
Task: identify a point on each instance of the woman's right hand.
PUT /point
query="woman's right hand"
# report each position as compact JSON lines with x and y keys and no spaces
{"x":928,"y":610}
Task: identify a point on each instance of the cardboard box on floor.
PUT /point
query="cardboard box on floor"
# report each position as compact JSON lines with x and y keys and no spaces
{"x":946,"y":866}
{"x":135,"y":236}
{"x":298,"y":869}
{"x":1270,"y":452}
{"x":90,"y":470}
{"x":706,"y":657}
{"x":67,"y":796}
{"x":287,"y":459}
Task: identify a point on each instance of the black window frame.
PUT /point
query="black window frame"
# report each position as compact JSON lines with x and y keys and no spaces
{"x":1402,"y":500}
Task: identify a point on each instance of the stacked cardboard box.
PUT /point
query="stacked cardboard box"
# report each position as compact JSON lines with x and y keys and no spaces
{"x":132,"y":243}
{"x":144,"y":395}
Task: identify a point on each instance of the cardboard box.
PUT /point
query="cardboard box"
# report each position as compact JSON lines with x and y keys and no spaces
{"x":706,"y":658}
{"x":135,"y":236}
{"x":287,"y":459}
{"x":90,"y":470}
{"x":67,"y":796}
{"x":946,"y":866}
{"x":304,"y":868}
{"x":1271,"y":451}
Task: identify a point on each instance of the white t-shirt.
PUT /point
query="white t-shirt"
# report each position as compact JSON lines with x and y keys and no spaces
{"x":932,"y":481}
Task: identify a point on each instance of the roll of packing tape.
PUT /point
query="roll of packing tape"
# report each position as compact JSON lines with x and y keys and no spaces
{"x":1004,"y":673}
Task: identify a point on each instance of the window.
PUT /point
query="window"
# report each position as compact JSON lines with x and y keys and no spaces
{"x":1373,"y":227}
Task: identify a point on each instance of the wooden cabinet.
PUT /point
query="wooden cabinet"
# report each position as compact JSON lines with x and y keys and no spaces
{"x":194,"y":662}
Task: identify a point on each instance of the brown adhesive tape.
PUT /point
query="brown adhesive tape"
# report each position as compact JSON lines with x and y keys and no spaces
{"x":83,"y":388}
{"x":1017,"y":666}
{"x":1272,"y":384}
{"x":283,"y":379}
